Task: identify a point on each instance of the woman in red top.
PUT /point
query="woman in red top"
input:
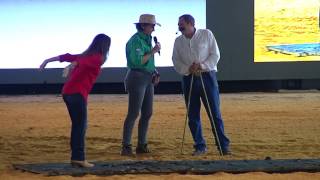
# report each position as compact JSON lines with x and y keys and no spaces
{"x":86,"y":68}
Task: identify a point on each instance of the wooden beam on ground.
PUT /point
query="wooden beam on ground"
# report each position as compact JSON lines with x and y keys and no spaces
{"x":182,"y":167}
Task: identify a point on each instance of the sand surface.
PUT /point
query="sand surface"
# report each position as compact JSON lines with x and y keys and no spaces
{"x":285,"y":125}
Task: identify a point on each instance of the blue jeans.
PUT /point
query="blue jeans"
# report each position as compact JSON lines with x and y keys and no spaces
{"x":212,"y":91}
{"x":77,"y":107}
{"x":140,"y":89}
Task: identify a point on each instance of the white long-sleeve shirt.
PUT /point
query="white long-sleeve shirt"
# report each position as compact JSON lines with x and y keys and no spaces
{"x":201,"y":48}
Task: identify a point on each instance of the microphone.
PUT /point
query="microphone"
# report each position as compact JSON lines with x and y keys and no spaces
{"x":180,"y":29}
{"x":155,"y":39}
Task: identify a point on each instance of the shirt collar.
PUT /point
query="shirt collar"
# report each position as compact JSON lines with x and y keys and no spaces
{"x":144,"y":36}
{"x":195,"y":32}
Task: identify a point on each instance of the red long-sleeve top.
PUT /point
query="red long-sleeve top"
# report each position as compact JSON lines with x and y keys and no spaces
{"x":84,"y":74}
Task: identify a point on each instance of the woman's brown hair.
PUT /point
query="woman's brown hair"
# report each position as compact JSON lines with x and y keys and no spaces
{"x":100,"y":44}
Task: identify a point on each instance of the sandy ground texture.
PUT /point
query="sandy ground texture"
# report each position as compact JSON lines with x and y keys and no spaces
{"x":285,"y":22}
{"x":285,"y":125}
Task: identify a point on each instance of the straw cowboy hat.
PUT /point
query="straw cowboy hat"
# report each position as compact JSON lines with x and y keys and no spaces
{"x":148,"y":19}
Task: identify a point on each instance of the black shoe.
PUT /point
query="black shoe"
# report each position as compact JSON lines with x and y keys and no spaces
{"x":126,"y":150}
{"x":226,"y":152}
{"x":142,"y":149}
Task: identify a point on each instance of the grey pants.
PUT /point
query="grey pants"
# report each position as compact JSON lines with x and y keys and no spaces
{"x":140,"y":89}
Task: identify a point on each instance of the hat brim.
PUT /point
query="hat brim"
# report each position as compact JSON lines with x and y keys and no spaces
{"x":148,"y":23}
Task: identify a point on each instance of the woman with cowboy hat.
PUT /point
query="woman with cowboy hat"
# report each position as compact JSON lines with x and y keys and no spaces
{"x":138,"y":83}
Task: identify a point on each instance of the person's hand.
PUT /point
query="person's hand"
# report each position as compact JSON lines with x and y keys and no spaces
{"x":45,"y":62}
{"x":156,"y":48}
{"x":194,"y":68}
{"x":74,"y":64}
{"x":155,"y":79}
{"x":68,"y":69}
{"x":43,"y":65}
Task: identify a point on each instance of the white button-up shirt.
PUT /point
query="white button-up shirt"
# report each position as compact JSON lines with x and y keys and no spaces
{"x":201,"y":48}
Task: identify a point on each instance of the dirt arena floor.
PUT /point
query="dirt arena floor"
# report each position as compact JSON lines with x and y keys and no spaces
{"x":281,"y":125}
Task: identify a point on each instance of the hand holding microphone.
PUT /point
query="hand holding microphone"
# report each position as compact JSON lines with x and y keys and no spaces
{"x":157,"y":46}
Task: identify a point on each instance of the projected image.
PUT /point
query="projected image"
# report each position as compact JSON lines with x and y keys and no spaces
{"x":286,"y":30}
{"x":31,"y":31}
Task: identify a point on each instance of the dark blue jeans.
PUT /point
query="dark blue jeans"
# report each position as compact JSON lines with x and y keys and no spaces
{"x":140,"y":89}
{"x":212,"y":90}
{"x":77,"y":107}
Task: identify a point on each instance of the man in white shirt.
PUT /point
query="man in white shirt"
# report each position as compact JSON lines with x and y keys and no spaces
{"x":196,"y":51}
